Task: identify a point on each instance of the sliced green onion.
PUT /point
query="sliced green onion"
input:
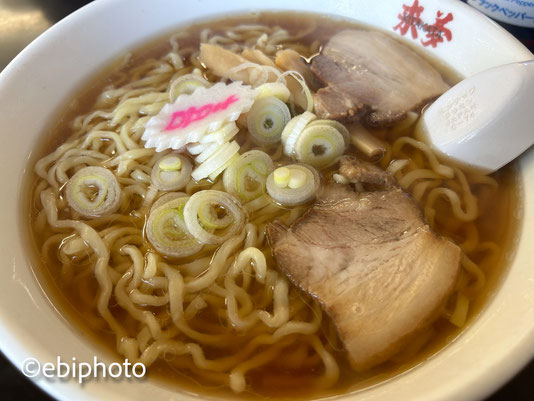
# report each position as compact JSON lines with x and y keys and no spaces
{"x":204,"y":226}
{"x":297,"y":179}
{"x":217,"y":160}
{"x":336,"y":124}
{"x":301,"y":187}
{"x":208,"y":151}
{"x":93,"y":192}
{"x":208,"y":216}
{"x":258,"y":203}
{"x":167,"y":232}
{"x":319,"y":145}
{"x":171,"y":173}
{"x":171,"y":163}
{"x":282,"y":176}
{"x":297,"y":76}
{"x":169,"y":196}
{"x":245,"y":177}
{"x":185,"y":85}
{"x":266,"y":120}
{"x":197,"y":148}
{"x":293,"y":129}
{"x":222,"y":135}
{"x":276,"y":89}
{"x":223,"y":167}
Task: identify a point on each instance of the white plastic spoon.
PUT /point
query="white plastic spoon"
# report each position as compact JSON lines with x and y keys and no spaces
{"x":486,"y":120}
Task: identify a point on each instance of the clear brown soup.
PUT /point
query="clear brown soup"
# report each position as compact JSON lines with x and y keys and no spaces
{"x":497,"y":223}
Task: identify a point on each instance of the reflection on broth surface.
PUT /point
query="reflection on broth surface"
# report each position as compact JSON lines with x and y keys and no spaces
{"x":219,"y":315}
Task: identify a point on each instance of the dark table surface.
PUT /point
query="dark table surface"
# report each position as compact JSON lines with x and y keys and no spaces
{"x":20,"y":22}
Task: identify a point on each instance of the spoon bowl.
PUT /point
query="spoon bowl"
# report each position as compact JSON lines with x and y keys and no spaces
{"x":486,"y":120}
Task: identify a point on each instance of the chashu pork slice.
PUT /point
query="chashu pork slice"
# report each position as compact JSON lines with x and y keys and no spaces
{"x":371,"y":260}
{"x":372,"y":78}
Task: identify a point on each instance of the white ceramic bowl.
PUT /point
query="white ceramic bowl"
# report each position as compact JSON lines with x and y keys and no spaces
{"x":38,"y":83}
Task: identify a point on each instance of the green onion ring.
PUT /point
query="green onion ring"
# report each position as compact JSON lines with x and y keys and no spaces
{"x":250,"y":169}
{"x":167,"y":231}
{"x":93,"y":192}
{"x":213,"y":198}
{"x":266,"y":120}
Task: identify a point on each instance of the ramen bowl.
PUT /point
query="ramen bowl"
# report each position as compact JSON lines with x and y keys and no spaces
{"x":40,"y":81}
